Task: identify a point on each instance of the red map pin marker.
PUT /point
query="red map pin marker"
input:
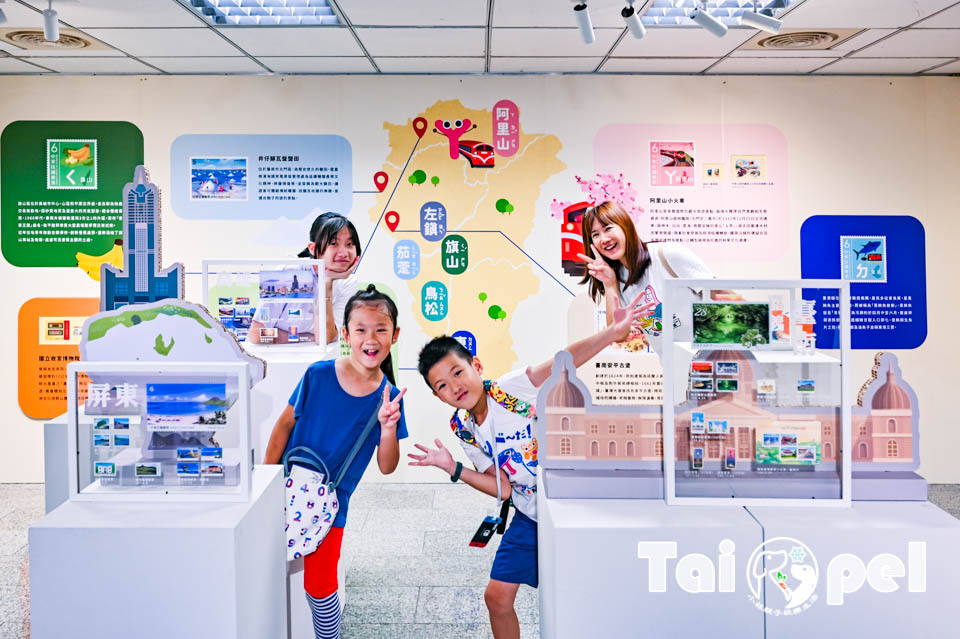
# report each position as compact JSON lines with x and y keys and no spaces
{"x":380,"y":179}
{"x":392,"y":219}
{"x":420,"y":126}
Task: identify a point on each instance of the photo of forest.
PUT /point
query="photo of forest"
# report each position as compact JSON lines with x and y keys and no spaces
{"x":725,"y":323}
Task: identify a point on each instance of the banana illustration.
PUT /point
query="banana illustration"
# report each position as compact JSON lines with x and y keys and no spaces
{"x":91,"y":263}
{"x":76,"y":156}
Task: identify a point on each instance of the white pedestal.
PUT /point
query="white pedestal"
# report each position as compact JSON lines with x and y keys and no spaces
{"x":866,"y":530}
{"x":160,"y":570}
{"x":592,"y":583}
{"x":269,"y":397}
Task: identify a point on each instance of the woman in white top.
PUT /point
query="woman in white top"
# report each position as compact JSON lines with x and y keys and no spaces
{"x":333,"y":239}
{"x":621,"y":266}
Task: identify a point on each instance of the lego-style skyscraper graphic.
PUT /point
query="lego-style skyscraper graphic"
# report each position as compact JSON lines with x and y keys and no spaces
{"x":140,"y":281}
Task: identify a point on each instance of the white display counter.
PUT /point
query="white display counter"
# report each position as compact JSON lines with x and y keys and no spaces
{"x":894,"y":564}
{"x":160,"y":570}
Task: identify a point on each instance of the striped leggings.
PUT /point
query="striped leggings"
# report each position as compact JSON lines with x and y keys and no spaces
{"x":320,"y":582}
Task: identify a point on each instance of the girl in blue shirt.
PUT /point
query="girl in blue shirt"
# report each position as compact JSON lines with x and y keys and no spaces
{"x":327,"y":412}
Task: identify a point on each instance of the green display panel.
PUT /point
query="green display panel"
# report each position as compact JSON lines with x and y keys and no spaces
{"x":60,"y":188}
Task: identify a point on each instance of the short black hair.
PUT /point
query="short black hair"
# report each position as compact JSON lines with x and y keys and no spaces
{"x":438,"y":348}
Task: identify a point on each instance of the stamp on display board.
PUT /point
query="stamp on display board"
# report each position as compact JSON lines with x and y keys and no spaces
{"x":863,"y":258}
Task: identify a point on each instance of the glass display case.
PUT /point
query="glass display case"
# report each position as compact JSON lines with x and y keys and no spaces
{"x":753,"y":412}
{"x":270,"y":303}
{"x":152,"y":430}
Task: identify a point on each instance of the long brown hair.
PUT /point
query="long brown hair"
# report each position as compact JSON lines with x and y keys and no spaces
{"x":635,"y":249}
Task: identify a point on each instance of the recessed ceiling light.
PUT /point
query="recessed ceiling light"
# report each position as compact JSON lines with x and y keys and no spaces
{"x":680,"y":13}
{"x":266,"y":13}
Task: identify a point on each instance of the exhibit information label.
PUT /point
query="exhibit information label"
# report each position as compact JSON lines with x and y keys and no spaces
{"x":60,"y":186}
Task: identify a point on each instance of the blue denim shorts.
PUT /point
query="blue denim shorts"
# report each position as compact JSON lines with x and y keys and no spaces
{"x":516,"y":559}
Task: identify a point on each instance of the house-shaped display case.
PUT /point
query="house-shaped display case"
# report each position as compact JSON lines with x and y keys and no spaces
{"x":753,"y":413}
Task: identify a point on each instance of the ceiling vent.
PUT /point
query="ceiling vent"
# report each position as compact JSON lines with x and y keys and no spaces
{"x":33,"y":40}
{"x":799,"y":39}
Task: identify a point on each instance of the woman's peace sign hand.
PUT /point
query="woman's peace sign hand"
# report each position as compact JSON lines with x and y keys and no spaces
{"x":598,"y":268}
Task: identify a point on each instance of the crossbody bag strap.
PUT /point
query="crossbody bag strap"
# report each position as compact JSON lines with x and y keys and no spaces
{"x":666,"y":264}
{"x":673,"y":273}
{"x":357,"y":444}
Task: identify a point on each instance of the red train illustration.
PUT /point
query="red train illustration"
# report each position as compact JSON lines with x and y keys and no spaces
{"x":571,"y":239}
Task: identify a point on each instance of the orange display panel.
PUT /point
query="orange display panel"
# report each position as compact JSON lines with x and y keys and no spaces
{"x":48,"y":338}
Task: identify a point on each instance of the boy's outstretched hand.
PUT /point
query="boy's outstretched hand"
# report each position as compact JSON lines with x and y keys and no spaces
{"x":389,"y":414}
{"x":441,"y":457}
{"x":623,"y":318}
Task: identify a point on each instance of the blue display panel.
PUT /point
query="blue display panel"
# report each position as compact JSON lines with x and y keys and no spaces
{"x":884,"y":258}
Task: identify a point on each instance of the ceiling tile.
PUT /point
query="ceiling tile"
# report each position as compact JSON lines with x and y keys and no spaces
{"x":241,"y":64}
{"x":763,"y":66}
{"x":95,"y":65}
{"x":862,"y":39}
{"x":550,"y":42}
{"x":882,"y":65}
{"x":949,"y":19}
{"x":131,"y":13}
{"x":786,"y":53}
{"x":165,"y":42}
{"x":925,"y":43}
{"x":656,"y":65}
{"x":693,"y":42}
{"x":423,"y":42}
{"x":72,"y":53}
{"x":953,"y":67}
{"x":555,"y":13}
{"x":10,"y":48}
{"x":867,"y":14}
{"x":284,"y":41}
{"x":426,"y":13}
{"x":544,"y":65}
{"x":430,"y":65}
{"x":12,"y":65}
{"x":309,"y":64}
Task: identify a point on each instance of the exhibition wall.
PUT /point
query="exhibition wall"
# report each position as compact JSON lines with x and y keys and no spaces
{"x":844,"y":146}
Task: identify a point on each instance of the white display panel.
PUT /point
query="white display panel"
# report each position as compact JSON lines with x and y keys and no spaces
{"x":152,"y":430}
{"x":268,"y":304}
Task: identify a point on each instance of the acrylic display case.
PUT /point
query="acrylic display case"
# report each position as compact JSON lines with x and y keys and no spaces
{"x":150,"y":430}
{"x":753,"y":412}
{"x":274,"y":304}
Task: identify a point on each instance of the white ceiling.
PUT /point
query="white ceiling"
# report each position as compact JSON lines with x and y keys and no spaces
{"x":481,"y":36}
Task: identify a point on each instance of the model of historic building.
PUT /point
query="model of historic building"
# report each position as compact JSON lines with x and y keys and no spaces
{"x":883,"y":425}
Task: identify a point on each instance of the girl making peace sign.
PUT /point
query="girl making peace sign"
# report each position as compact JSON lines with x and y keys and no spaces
{"x":327,"y":412}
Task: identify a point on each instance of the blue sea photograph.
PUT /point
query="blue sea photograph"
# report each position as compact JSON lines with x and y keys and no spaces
{"x":218,"y":179}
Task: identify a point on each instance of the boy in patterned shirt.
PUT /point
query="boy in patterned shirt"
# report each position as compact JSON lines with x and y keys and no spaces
{"x":499,"y":425}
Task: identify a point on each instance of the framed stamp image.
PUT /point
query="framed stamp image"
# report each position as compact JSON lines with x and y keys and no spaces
{"x":72,"y":163}
{"x":104,"y":469}
{"x":863,"y":258}
{"x":148,"y":469}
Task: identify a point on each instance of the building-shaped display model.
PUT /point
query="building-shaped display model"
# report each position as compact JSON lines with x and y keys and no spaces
{"x":884,"y":427}
{"x":140,"y":281}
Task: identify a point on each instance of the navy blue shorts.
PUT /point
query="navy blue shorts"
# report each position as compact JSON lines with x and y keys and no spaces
{"x":516,"y":559}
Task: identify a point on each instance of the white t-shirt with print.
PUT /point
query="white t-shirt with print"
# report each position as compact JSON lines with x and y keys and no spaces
{"x":343,"y":290}
{"x":511,"y":438}
{"x":687,"y":265}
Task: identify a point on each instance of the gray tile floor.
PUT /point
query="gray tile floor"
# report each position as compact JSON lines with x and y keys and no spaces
{"x":409,"y":570}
